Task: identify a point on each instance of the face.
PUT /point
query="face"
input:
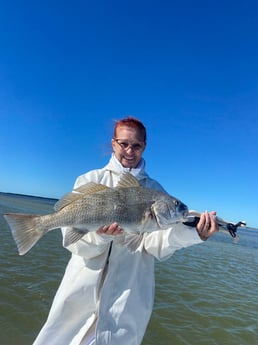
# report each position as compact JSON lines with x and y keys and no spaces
{"x":128,"y":146}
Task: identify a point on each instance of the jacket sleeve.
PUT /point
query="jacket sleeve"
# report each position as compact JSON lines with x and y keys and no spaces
{"x":91,"y":244}
{"x":163,"y":243}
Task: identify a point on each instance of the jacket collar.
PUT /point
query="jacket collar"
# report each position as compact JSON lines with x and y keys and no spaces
{"x":116,"y":167}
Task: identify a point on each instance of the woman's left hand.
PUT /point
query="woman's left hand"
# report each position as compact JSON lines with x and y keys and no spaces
{"x":112,"y":229}
{"x":207,"y":225}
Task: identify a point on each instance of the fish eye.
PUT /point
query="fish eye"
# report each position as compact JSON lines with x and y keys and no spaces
{"x":176,"y":202}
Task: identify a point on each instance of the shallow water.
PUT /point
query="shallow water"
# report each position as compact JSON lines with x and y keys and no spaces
{"x":205,"y":294}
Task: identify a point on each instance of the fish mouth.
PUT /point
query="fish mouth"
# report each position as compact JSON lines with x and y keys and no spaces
{"x":182,"y":209}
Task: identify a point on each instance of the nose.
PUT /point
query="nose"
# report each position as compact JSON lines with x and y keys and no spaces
{"x":130,"y":147}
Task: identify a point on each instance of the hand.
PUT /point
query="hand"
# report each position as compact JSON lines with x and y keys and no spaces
{"x":207,"y":225}
{"x":112,"y":229}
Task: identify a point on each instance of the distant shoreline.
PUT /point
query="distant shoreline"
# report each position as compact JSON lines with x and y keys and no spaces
{"x":27,"y":196}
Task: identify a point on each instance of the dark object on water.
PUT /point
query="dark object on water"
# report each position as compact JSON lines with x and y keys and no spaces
{"x":230,"y":227}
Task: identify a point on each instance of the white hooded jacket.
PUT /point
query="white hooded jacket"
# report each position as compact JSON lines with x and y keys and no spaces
{"x":107,"y":291}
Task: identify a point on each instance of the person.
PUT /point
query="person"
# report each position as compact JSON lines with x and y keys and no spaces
{"x":107,"y":292}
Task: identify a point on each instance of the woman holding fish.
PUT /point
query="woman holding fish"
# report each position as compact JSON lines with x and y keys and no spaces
{"x":107,"y":292}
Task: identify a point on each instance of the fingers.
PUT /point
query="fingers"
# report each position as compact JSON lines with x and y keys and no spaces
{"x":207,"y":225}
{"x":112,"y":229}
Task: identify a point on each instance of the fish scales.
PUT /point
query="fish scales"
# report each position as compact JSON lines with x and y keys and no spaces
{"x":127,"y":207}
{"x":91,"y":206}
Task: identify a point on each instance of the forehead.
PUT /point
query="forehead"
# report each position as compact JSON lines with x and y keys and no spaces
{"x":124,"y":132}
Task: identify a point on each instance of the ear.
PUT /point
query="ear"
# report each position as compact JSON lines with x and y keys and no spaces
{"x":113,"y":144}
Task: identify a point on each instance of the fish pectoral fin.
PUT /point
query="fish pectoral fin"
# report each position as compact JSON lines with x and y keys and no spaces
{"x":128,"y":180}
{"x":147,"y":218}
{"x":133,"y":242}
{"x":73,"y":235}
{"x":78,"y":193}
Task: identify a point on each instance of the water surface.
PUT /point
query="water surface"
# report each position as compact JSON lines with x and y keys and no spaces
{"x":205,"y":294}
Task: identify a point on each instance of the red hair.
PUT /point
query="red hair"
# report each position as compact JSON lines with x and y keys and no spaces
{"x":131,"y":122}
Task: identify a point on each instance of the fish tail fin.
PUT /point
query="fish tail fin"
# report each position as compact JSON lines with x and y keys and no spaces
{"x":26,"y":230}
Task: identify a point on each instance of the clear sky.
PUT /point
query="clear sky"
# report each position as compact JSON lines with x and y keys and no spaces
{"x":187,"y":69}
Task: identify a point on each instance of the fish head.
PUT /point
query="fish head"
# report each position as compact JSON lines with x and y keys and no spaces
{"x":168,"y":210}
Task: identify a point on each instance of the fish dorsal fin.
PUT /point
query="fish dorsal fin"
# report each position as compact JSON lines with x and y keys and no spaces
{"x":90,"y":188}
{"x":80,"y":192}
{"x":128,"y":180}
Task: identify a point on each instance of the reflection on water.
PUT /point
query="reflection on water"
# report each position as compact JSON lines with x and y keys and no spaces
{"x":205,"y":294}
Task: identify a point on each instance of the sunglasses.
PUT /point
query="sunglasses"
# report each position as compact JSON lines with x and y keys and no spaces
{"x":125,"y":145}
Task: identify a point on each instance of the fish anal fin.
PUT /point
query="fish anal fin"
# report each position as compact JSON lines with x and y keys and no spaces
{"x":73,"y":235}
{"x":128,"y":180}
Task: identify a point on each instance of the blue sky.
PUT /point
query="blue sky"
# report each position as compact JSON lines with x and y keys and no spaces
{"x":187,"y":69}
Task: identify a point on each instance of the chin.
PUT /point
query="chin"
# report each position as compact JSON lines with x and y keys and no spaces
{"x":130,"y":165}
